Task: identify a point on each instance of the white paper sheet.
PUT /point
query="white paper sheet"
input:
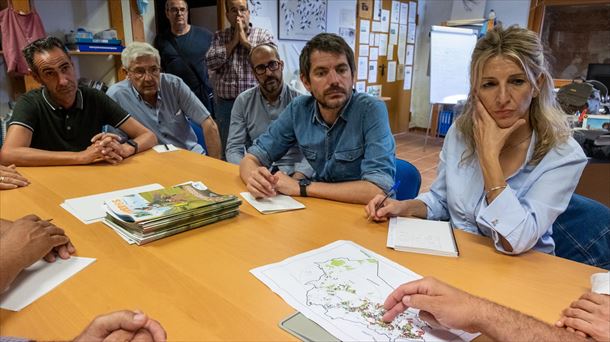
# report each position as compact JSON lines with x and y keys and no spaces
{"x":383,"y":44}
{"x":412,"y":11}
{"x":372,"y":39}
{"x":411,"y":34}
{"x":400,"y":72}
{"x":378,"y":39}
{"x":90,"y":209}
{"x":391,"y":51}
{"x":38,"y":279}
{"x":385,"y":20}
{"x":407,"y":80}
{"x":421,"y":236}
{"x":363,"y":68}
{"x":402,"y":43}
{"x":342,"y":287}
{"x":164,"y":148}
{"x":272,"y":205}
{"x":394,"y":34}
{"x":404,"y":13}
{"x":363,"y":50}
{"x":409,"y":57}
{"x":365,"y":27}
{"x":395,"y":16}
{"x":376,"y":26}
{"x":361,"y":87}
{"x":372,"y":72}
{"x":391,"y":72}
{"x":377,"y":10}
{"x":374,"y":54}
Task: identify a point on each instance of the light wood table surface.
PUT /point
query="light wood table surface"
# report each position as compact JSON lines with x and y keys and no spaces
{"x":197,"y":283}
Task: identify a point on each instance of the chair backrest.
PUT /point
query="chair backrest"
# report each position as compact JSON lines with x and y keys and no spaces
{"x":410,"y":180}
{"x":582,"y":232}
{"x":199,"y":134}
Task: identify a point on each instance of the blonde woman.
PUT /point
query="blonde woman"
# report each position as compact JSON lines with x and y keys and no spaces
{"x":508,"y":166}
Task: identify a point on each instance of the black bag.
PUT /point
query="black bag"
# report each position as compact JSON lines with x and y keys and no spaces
{"x":573,"y":97}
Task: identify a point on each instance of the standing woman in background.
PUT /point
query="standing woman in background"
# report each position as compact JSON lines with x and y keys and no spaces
{"x":508,"y":166}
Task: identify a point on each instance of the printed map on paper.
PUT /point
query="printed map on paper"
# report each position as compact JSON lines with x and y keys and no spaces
{"x":342,"y":287}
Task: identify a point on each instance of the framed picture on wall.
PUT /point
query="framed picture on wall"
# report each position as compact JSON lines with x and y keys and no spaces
{"x":301,"y":19}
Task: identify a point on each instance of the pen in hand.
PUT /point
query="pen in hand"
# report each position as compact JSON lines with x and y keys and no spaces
{"x":166,"y":147}
{"x":392,"y":191}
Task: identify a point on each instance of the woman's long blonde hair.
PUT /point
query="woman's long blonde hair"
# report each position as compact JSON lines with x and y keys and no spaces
{"x":523,"y":47}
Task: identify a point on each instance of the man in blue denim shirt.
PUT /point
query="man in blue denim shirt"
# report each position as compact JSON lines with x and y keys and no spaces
{"x":345,"y":136}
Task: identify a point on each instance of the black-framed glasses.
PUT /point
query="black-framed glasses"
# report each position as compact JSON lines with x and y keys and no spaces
{"x":262,"y":68}
{"x":141,"y":72}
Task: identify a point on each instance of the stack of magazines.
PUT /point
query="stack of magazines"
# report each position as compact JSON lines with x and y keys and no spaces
{"x":152,"y":215}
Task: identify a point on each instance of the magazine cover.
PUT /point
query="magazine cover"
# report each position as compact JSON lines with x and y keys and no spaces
{"x":164,"y":202}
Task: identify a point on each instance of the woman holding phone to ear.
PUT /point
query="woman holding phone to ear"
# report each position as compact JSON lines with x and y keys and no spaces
{"x":508,"y":166}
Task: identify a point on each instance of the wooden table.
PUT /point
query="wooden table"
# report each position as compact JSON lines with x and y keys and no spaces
{"x":198,"y":283}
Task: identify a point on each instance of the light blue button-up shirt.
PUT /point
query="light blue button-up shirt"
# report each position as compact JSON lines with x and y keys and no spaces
{"x":168,"y":119}
{"x":523,"y":213}
{"x":358,"y":146}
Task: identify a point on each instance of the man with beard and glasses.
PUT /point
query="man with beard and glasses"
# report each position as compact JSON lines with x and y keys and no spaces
{"x":345,"y":136}
{"x":257,"y":107}
{"x":62,"y":123}
{"x":163,"y":102}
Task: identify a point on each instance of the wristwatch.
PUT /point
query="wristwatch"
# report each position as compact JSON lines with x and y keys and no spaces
{"x":303,"y":184}
{"x":133,"y":144}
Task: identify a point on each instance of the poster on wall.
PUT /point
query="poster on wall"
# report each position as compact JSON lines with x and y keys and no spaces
{"x":301,"y":19}
{"x":365,"y":9}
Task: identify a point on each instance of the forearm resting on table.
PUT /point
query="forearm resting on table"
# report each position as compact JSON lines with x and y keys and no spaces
{"x":27,"y":156}
{"x":359,"y":192}
{"x":504,"y":324}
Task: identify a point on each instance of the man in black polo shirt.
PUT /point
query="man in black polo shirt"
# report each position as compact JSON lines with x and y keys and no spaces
{"x":61,"y":123}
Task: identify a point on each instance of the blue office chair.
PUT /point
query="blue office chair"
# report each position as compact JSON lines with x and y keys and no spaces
{"x":410,"y":180}
{"x":582,"y":232}
{"x":199,"y":134}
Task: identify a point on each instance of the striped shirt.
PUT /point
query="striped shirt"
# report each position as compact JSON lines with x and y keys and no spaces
{"x":232,"y":74}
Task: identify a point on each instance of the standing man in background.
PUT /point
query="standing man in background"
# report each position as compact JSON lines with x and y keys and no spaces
{"x":183,"y":50}
{"x":228,"y":63}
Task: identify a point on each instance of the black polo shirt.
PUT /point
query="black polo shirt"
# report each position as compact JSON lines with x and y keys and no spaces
{"x":58,"y":129}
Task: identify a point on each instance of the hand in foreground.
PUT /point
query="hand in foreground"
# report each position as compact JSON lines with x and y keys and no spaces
{"x":10,"y":178}
{"x":29,"y":239}
{"x":123,"y":326}
{"x":441,"y":305}
{"x":588,"y":316}
{"x":389,"y":208}
{"x":489,"y":137}
{"x":261,"y":183}
{"x":287,"y":185}
{"x":111,"y":148}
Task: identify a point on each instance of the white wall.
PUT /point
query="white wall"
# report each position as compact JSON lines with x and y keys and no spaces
{"x":61,"y":16}
{"x":433,"y":12}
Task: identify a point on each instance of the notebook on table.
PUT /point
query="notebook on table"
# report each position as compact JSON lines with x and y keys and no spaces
{"x":422,"y":236}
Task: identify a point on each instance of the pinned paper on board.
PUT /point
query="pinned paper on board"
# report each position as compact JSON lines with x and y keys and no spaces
{"x":372,"y":72}
{"x":410,"y":51}
{"x":411,"y":34}
{"x":385,"y":20}
{"x":363,"y":65}
{"x":373,"y":53}
{"x":365,"y":9}
{"x":383,"y":44}
{"x":407,"y":80}
{"x":395,"y":15}
{"x":391,"y":72}
{"x":394,"y":34}
{"x":400,"y":72}
{"x":372,"y":39}
{"x":404,"y":13}
{"x":365,"y":27}
{"x":402,"y":42}
{"x":376,"y":26}
{"x":412,"y":11}
{"x":374,"y":90}
{"x":363,"y":51}
{"x":361,"y":87}
{"x":377,"y":10}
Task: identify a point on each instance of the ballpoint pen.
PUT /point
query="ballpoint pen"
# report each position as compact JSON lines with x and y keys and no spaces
{"x":392,"y":190}
{"x":166,"y":148}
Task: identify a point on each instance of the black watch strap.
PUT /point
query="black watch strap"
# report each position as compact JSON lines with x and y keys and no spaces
{"x":303,"y":183}
{"x":134,"y":145}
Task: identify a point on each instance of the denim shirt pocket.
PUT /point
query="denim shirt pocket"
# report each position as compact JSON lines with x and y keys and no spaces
{"x":348,"y":162}
{"x":309,"y":154}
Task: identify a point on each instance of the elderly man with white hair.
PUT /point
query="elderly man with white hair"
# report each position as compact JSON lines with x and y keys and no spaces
{"x":163,"y":102}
